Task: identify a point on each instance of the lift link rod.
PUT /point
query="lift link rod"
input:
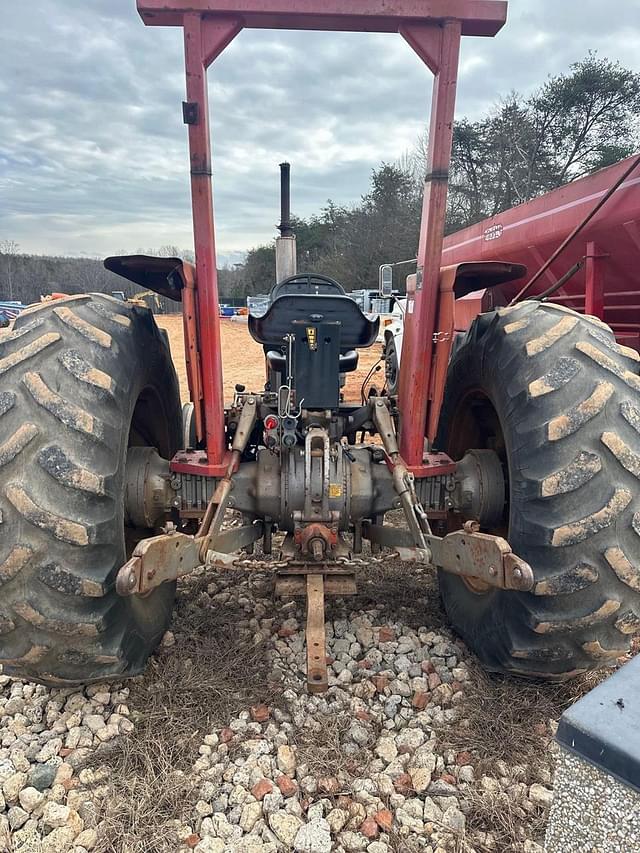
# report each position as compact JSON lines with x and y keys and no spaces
{"x":214,"y":515}
{"x":164,"y":558}
{"x":403,"y":481}
{"x":464,"y":552}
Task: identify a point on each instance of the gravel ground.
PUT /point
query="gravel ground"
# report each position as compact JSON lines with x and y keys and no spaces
{"x":218,"y":747}
{"x":592,"y":810}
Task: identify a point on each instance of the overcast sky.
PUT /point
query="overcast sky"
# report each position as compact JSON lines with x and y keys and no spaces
{"x":93,"y":154}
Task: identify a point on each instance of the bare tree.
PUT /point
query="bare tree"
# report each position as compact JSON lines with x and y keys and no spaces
{"x":574,"y":124}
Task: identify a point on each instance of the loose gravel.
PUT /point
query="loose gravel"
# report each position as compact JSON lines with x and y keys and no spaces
{"x":218,"y":747}
{"x":592,"y":811}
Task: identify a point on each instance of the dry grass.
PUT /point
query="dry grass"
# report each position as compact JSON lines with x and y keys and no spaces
{"x":507,"y":718}
{"x":197,"y":685}
{"x":408,"y":592}
{"x":502,"y":816}
{"x":398,"y":844}
{"x":321,"y":748}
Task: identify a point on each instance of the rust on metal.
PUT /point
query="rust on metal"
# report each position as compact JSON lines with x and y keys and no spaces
{"x":294,"y":586}
{"x":162,"y":559}
{"x":317,"y":540}
{"x":317,"y":679}
{"x":157,"y":560}
{"x":483,"y":556}
{"x":467,"y":553}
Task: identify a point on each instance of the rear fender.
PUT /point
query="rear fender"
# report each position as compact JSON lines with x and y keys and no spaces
{"x":175,"y":279}
{"x":456,"y":282}
{"x":166,"y":276}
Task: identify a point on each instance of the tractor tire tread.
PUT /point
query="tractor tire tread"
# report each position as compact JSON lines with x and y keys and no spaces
{"x":70,"y":370}
{"x":570,"y":415}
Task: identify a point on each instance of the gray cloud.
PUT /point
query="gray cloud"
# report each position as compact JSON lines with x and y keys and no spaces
{"x":93,"y":154}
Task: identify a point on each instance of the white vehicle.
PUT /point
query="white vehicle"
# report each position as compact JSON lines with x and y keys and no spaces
{"x":392,"y":327}
{"x":393,"y":334}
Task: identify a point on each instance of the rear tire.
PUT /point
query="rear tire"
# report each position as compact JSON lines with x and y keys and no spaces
{"x":391,"y":367}
{"x":559,"y":400}
{"x":81,"y":380}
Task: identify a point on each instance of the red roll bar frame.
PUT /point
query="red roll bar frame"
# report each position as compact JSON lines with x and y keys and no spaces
{"x":433,"y":28}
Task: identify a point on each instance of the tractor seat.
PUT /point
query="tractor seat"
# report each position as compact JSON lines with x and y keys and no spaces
{"x":309,"y":284}
{"x":356,"y":330}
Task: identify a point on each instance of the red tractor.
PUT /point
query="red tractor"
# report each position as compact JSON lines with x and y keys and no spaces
{"x":513,"y":450}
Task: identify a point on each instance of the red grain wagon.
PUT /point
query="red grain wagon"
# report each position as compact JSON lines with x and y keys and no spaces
{"x":606,"y":283}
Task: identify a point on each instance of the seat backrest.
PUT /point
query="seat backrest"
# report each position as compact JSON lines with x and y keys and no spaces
{"x":311,"y":284}
{"x":356,"y":330}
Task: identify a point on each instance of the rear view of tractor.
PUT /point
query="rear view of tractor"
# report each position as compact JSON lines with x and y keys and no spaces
{"x":513,"y":452}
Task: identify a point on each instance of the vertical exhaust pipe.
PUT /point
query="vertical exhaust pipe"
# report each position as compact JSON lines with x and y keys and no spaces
{"x":285,"y":228}
{"x":286,"y":261}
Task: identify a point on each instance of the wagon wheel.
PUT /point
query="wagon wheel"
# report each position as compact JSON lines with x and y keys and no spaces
{"x":81,"y":380}
{"x":557,"y":400}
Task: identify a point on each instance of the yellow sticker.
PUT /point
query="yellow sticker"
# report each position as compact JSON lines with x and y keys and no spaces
{"x":335,"y":490}
{"x":312,"y":338}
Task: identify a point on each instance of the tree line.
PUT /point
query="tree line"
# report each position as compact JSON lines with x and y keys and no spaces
{"x":574,"y":124}
{"x":25,"y":278}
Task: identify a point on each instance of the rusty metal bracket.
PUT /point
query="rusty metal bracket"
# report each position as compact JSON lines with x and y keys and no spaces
{"x":463,"y":552}
{"x":158,"y":560}
{"x":480,"y":555}
{"x":165,"y":558}
{"x":317,"y":679}
{"x":299,"y":578}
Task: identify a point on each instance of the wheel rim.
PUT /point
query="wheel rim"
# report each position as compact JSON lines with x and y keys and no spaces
{"x":391,"y":366}
{"x":148,"y":428}
{"x":475,"y":425}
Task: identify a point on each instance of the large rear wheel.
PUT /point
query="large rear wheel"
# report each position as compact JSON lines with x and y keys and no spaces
{"x":82,"y":379}
{"x":558,"y":400}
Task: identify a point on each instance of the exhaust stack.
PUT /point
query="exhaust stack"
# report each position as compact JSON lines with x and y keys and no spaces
{"x":286,"y":260}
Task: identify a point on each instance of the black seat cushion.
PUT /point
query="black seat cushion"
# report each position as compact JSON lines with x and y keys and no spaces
{"x":277,"y":361}
{"x":356,"y":330}
{"x":348,"y":361}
